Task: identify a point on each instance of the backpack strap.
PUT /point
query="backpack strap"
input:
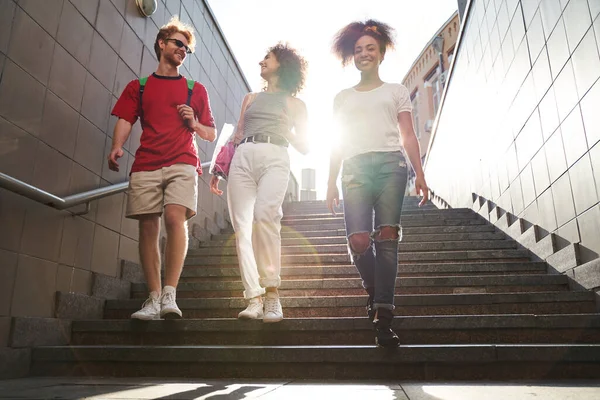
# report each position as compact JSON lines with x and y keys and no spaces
{"x":142,"y":86}
{"x":190,"y":85}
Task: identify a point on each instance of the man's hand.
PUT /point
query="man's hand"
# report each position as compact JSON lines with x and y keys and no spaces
{"x":214,"y":185}
{"x":187,"y":113}
{"x":421,"y":187}
{"x":113,"y":156}
{"x":333,"y":198}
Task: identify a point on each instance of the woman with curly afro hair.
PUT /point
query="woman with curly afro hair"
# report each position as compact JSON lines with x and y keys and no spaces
{"x":258,"y":178}
{"x":376,"y":124}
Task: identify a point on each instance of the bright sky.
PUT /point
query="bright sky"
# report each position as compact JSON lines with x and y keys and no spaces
{"x":252,"y":26}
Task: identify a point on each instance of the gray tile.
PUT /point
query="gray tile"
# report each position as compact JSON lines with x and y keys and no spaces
{"x":597,"y":31}
{"x":173,"y":6}
{"x":558,"y":49}
{"x":88,"y":8}
{"x":529,"y":140}
{"x":95,"y":103}
{"x":67,"y":77}
{"x":535,"y":36}
{"x":7,"y":12}
{"x":591,"y":117}
{"x":103,"y":61}
{"x":149,"y":62}
{"x":527,"y":186}
{"x":130,"y":49}
{"x":549,"y":114}
{"x":110,"y":211}
{"x":123,"y":77}
{"x":12,"y":215}
{"x":150,"y":34}
{"x":78,"y":45}
{"x":83,"y":180}
{"x":85,"y":243}
{"x":110,"y":24}
{"x":105,"y":251}
{"x":546,"y":211}
{"x":159,"y":15}
{"x":551,"y":11}
{"x":46,"y":13}
{"x":129,"y":250}
{"x":82,"y":281}
{"x":569,"y":232}
{"x":541,"y":76}
{"x":34,"y":288}
{"x":586,"y":63}
{"x":562,"y":194}
{"x":589,"y":226}
{"x":21,"y":98}
{"x":582,"y":180}
{"x":135,"y":20}
{"x":566,"y":87}
{"x":540,"y":171}
{"x":595,"y":159}
{"x":594,"y":8}
{"x":17,"y":151}
{"x":555,"y":154}
{"x":121,"y":5}
{"x":8,"y":273}
{"x":52,"y":170}
{"x":573,"y":137}
{"x":42,"y":232}
{"x":516,"y":196}
{"x":64,"y":275}
{"x":89,"y":150}
{"x":38,"y":62}
{"x":59,"y":125}
{"x":577,"y":21}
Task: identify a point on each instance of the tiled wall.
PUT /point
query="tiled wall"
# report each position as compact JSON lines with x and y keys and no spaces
{"x":63,"y":63}
{"x":521,"y":121}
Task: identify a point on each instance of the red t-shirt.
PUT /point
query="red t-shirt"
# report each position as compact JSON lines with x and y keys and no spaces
{"x":166,"y":139}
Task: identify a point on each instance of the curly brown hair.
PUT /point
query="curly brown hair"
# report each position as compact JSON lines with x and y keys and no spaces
{"x":292,"y":68}
{"x":346,"y":38}
{"x":174,"y":26}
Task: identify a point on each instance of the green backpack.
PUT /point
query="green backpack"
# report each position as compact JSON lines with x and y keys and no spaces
{"x":190,"y":85}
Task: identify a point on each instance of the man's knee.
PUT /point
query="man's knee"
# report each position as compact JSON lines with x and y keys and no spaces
{"x":149,"y":224}
{"x":359,"y":242}
{"x":387,"y":233}
{"x":175,"y":216}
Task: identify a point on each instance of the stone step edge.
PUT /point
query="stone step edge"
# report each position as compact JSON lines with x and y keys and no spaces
{"x":504,"y":321}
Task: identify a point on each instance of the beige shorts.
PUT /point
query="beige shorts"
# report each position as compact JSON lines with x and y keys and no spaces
{"x":150,"y":191}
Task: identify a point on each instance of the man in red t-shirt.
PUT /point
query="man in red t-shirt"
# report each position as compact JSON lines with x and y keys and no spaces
{"x":164,"y":175}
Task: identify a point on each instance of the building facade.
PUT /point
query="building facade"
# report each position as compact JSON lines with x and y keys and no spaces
{"x":63,"y":64}
{"x":426,"y":77}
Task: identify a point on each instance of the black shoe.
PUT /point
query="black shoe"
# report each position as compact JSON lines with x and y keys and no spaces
{"x":384,"y":335}
{"x":370,"y":309}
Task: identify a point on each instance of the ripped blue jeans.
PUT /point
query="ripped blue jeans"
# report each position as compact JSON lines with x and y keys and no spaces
{"x":373,"y":186}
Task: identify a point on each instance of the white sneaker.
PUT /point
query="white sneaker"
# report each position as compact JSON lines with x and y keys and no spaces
{"x":168,"y":306}
{"x":150,"y":309}
{"x":253,"y":311}
{"x":273,"y":312}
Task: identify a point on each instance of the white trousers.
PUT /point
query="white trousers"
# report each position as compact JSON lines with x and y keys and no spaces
{"x":257,"y":183}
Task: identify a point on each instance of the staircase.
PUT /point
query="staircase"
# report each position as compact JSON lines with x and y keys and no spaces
{"x":470,"y":303}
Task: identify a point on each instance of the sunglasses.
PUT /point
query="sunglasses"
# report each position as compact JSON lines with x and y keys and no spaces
{"x":180,"y":44}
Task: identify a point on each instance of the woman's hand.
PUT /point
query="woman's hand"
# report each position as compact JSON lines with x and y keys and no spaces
{"x":421,"y":187}
{"x":333,"y":198}
{"x":214,"y":185}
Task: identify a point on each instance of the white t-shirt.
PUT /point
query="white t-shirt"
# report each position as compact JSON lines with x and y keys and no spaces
{"x":368,"y":121}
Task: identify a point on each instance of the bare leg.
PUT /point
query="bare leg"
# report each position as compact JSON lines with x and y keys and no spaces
{"x":177,"y":242}
{"x":149,"y":250}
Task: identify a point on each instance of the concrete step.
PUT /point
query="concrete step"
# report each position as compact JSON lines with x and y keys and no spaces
{"x":423,"y":213}
{"x":231,"y":272}
{"x":434,"y":219}
{"x":406,"y":223}
{"x":459,"y":329}
{"x":353,"y":286}
{"x":343,"y":248}
{"x":443,"y":237}
{"x":287,"y":232}
{"x":336,"y":258}
{"x":352,"y":306}
{"x":423,"y":362}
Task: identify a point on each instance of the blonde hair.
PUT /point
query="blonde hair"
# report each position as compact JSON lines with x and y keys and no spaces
{"x":174,"y":26}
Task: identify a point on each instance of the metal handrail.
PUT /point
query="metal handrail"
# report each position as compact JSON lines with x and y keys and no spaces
{"x":59,"y":203}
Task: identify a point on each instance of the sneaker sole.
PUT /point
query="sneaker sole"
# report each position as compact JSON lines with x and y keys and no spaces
{"x":171,"y":315}
{"x":144,"y":318}
{"x":393,"y":344}
{"x":272,"y":320}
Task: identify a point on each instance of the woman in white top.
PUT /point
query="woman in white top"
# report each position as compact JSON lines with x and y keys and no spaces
{"x":270,"y":121}
{"x":376,"y":130}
